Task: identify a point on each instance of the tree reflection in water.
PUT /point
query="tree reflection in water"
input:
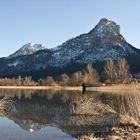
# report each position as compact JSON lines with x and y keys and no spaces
{"x":38,"y":109}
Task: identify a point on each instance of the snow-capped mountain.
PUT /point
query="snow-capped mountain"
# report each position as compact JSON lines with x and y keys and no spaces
{"x":28,"y":49}
{"x":103,"y":42}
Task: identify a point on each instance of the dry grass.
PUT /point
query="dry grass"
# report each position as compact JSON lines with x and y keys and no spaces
{"x":77,"y":88}
{"x":105,"y":88}
{"x":96,"y":138}
{"x":129,"y":121}
{"x":6,"y":104}
{"x":129,"y":131}
{"x":116,"y":88}
{"x":85,"y":106}
{"x":91,"y":137}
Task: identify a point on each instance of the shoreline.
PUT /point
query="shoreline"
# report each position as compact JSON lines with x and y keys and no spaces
{"x":115,"y":88}
{"x":42,"y":88}
{"x":106,"y":88}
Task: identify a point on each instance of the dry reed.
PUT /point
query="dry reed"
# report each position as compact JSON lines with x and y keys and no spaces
{"x":91,"y":137}
{"x":6,"y":104}
{"x":85,"y":106}
{"x":129,"y":129}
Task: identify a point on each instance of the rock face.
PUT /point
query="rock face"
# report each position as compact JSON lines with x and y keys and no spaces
{"x":101,"y":43}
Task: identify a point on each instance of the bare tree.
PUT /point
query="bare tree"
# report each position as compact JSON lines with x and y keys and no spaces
{"x":110,"y":71}
{"x":76,"y":78}
{"x":64,"y":79}
{"x":50,"y":81}
{"x":91,"y":74}
{"x":117,"y":72}
{"x":122,"y":70}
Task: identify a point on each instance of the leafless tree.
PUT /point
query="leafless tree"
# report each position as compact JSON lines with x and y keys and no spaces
{"x":64,"y":79}
{"x":110,"y":71}
{"x":117,"y":72}
{"x":76,"y":78}
{"x":122,"y":70}
{"x":50,"y":81}
{"x":91,"y":74}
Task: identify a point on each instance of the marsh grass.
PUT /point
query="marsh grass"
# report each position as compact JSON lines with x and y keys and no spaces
{"x":91,"y":137}
{"x":85,"y":106}
{"x":126,"y":120}
{"x":6,"y":105}
{"x":117,"y":88}
{"x":128,"y":129}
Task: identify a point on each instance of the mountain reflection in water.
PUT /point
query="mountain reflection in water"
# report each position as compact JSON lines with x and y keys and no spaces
{"x":38,"y":110}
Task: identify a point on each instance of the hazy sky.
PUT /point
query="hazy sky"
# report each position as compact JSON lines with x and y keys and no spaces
{"x":51,"y":22}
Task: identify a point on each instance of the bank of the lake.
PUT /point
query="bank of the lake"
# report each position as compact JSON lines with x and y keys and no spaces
{"x":115,"y":88}
{"x":42,"y":88}
{"x":103,"y":88}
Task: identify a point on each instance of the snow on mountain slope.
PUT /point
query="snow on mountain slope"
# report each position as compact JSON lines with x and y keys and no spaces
{"x":28,"y":49}
{"x":103,"y":42}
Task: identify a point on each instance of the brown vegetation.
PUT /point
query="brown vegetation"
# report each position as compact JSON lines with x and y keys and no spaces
{"x":89,"y":76}
{"x":117,"y":88}
{"x":85,"y":106}
{"x":117,"y":72}
{"x":26,"y":81}
{"x":6,"y":104}
{"x":129,"y":131}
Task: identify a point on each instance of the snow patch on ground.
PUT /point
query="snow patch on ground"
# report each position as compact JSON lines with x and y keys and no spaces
{"x":14,"y":64}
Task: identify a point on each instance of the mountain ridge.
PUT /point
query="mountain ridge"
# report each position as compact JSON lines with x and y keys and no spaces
{"x":103,"y":42}
{"x":28,"y":49}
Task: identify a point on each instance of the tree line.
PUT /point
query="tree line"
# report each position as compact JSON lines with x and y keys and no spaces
{"x":114,"y":72}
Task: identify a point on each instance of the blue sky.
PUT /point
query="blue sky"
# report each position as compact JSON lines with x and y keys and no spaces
{"x":51,"y":22}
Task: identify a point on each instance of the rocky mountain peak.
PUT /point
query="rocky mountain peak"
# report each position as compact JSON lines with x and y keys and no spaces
{"x":28,"y":49}
{"x":106,"y":27}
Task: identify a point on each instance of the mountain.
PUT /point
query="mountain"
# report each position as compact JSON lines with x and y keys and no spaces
{"x":101,"y":43}
{"x":28,"y":49}
{"x":104,"y":41}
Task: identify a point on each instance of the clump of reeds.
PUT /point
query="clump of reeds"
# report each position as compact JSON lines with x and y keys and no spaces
{"x":91,"y":137}
{"x":128,"y":129}
{"x":85,"y":106}
{"x":129,"y":121}
{"x":6,"y":104}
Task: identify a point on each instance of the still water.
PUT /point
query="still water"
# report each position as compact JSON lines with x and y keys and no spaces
{"x":45,"y":115}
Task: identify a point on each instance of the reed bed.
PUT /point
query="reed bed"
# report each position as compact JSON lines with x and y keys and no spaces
{"x":91,"y":137}
{"x":85,"y":106}
{"x":6,"y":104}
{"x":116,"y":88}
{"x":128,"y":129}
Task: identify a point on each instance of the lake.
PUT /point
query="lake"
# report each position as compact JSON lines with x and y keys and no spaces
{"x":46,"y":115}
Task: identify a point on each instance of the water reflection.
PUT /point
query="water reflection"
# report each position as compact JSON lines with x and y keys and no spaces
{"x":36,"y":110}
{"x":125,"y":103}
